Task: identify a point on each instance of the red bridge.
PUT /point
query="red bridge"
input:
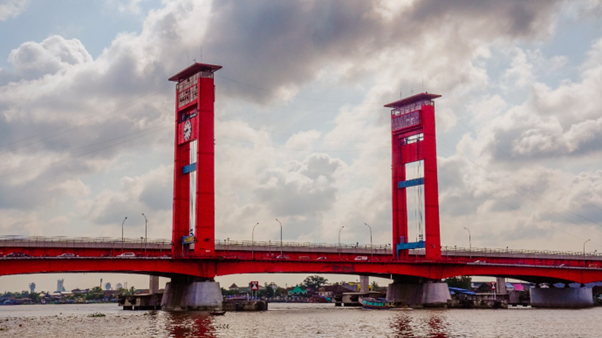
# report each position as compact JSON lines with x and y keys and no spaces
{"x":235,"y":257}
{"x":193,"y":254}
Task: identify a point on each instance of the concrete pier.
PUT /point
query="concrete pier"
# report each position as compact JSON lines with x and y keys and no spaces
{"x":419,"y":294}
{"x":562,"y":297}
{"x":188,"y":294}
{"x":153,"y":284}
{"x":364,"y":284}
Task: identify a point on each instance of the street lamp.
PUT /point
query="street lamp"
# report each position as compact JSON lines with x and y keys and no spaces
{"x":340,"y":241}
{"x":145,"y":232}
{"x":280,"y":237}
{"x":253,"y":241}
{"x":371,"y":249}
{"x":469,"y":239}
{"x":584,"y":246}
{"x":122,"y":232}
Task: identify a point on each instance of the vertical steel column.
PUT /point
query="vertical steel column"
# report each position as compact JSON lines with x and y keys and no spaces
{"x":205,"y":201}
{"x":181,"y":194}
{"x":431,"y":185}
{"x":400,"y":204}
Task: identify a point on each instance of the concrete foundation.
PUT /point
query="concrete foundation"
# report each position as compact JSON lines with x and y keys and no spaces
{"x":562,"y":298}
{"x":153,"y":284}
{"x":427,"y":294}
{"x":184,"y":294}
{"x":364,"y":284}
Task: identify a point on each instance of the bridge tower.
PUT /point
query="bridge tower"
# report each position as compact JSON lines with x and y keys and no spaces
{"x":194,"y":182}
{"x":413,"y":139}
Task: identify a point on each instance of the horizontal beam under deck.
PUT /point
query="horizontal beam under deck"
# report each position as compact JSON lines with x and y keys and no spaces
{"x":295,"y":257}
{"x":210,"y":268}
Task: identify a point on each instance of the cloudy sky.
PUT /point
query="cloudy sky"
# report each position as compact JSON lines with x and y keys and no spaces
{"x":86,"y":113}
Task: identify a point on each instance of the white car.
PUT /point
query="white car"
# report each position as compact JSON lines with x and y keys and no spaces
{"x":361,"y":258}
{"x":127,"y":254}
{"x":67,"y":255}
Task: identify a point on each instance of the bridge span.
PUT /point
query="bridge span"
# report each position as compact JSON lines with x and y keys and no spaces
{"x":235,"y":257}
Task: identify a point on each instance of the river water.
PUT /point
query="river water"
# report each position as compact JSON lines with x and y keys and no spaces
{"x":296,"y":320}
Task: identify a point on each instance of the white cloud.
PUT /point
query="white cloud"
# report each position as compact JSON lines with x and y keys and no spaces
{"x":11,"y":8}
{"x":32,"y":60}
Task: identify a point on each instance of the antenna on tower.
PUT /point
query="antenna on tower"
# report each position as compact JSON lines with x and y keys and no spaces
{"x":423,"y":83}
{"x":201,"y":55}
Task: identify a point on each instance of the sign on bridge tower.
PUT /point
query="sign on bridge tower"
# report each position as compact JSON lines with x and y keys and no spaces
{"x":413,"y":140}
{"x":194,"y":184}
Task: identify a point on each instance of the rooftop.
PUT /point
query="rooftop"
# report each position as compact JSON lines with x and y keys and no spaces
{"x":412,"y":99}
{"x":193,"y":69}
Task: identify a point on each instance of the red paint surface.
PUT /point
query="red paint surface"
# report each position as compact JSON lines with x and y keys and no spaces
{"x":240,"y":262}
{"x":402,"y":154}
{"x":203,"y":132}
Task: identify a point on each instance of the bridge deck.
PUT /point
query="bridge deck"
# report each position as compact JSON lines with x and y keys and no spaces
{"x":47,"y":246}
{"x":234,"y":257}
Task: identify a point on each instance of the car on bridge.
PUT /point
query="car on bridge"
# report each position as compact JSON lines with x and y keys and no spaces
{"x":322,"y":258}
{"x":67,"y":255}
{"x":17,"y":254}
{"x":127,"y":254}
{"x":282,"y":257}
{"x":361,"y":258}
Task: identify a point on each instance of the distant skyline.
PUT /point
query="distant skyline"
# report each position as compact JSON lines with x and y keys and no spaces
{"x":86,"y":118}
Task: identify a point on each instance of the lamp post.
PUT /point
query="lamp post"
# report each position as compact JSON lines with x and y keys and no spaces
{"x":371,"y":249}
{"x":469,"y":239}
{"x":122,"y":223}
{"x":253,"y":241}
{"x":340,"y":241}
{"x":145,"y":232}
{"x":280,"y":237}
{"x":584,"y":246}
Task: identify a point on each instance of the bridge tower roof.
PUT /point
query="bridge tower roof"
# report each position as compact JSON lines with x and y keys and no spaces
{"x":411,"y":99}
{"x":193,"y":69}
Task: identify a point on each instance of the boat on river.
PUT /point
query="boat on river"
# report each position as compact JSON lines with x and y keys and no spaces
{"x":376,"y":303}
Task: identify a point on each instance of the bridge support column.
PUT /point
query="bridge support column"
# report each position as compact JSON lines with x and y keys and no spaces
{"x":153,"y":284}
{"x":364,"y":284}
{"x":562,"y":298}
{"x":418,"y":293}
{"x":189,"y":294}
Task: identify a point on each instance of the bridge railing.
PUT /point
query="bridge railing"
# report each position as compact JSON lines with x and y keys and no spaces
{"x":63,"y":241}
{"x":247,"y":245}
{"x":461,"y":251}
{"x":300,"y":247}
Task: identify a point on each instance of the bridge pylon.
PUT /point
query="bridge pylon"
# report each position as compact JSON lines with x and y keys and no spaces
{"x":194,"y":169}
{"x":413,"y":139}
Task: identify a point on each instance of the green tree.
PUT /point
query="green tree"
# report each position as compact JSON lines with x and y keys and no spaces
{"x":314,"y":282}
{"x":97,"y":293}
{"x":459,"y":282}
{"x":35,"y":297}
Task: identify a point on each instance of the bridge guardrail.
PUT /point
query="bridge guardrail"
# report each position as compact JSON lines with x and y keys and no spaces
{"x":451,"y":250}
{"x":226,"y":244}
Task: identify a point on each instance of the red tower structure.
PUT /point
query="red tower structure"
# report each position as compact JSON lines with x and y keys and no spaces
{"x":194,"y":172}
{"x":413,"y":139}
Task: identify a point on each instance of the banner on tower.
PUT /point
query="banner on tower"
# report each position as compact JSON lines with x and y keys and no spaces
{"x":406,"y":120}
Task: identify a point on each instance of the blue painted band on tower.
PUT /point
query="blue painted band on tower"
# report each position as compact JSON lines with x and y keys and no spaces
{"x":410,"y":183}
{"x":188,"y":168}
